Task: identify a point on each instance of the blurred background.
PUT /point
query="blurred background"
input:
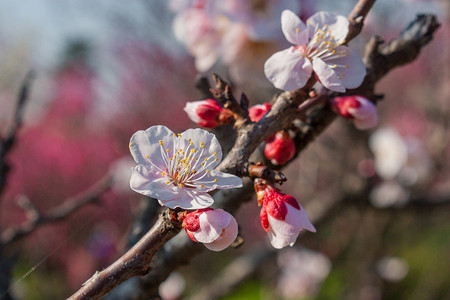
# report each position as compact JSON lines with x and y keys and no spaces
{"x":105,"y":69}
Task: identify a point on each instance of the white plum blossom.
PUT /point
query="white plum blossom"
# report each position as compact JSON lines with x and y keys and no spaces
{"x":318,"y":47}
{"x":282,"y":217}
{"x":178,"y":169}
{"x":215,"y":228}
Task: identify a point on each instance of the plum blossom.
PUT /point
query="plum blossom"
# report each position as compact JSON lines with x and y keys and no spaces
{"x":215,"y":228}
{"x":204,"y":112}
{"x":282,"y":217}
{"x":361,"y":110}
{"x":279,"y":148}
{"x":178,"y":169}
{"x":318,"y":47}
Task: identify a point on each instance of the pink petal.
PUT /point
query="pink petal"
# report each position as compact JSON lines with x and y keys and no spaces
{"x":293,"y":28}
{"x":288,"y":69}
{"x":224,"y":181}
{"x":366,"y":123}
{"x":365,"y":110}
{"x":209,"y":140}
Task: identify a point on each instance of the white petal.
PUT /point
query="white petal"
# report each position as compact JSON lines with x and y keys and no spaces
{"x":279,"y":240}
{"x":366,"y":123}
{"x":148,"y":181}
{"x":293,"y":28}
{"x":353,"y":76}
{"x":337,"y":24}
{"x":211,"y":224}
{"x":146,"y":143}
{"x":208,"y":139}
{"x":288,"y":69}
{"x":365,"y":110}
{"x":327,"y":76}
{"x":190,"y":110}
{"x":189,"y":199}
{"x":226,"y":238}
{"x":224,"y":181}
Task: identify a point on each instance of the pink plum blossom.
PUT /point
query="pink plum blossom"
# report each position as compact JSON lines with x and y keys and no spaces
{"x":279,"y":148}
{"x":282,"y":217}
{"x":178,"y":169}
{"x":205,"y":112}
{"x":318,"y":47}
{"x":256,"y":112}
{"x":361,"y":110}
{"x":215,"y":228}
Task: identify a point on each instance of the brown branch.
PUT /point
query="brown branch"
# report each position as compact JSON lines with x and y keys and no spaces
{"x":357,"y":16}
{"x":61,"y":212}
{"x":259,"y":170}
{"x":135,"y":262}
{"x":8,"y":141}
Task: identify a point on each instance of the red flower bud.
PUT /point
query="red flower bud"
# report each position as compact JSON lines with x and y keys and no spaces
{"x":280,"y":148}
{"x":256,"y":112}
{"x":205,"y":112}
{"x":361,"y":110}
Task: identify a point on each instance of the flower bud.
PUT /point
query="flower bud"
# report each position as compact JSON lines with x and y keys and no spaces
{"x":283,"y":218}
{"x":256,"y":112}
{"x":204,"y":112}
{"x":361,"y":110}
{"x":215,"y":228}
{"x":280,"y":148}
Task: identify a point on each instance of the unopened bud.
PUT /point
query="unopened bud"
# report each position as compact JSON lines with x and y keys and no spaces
{"x":256,"y":112}
{"x":204,"y":112}
{"x":280,"y":148}
{"x":361,"y":110}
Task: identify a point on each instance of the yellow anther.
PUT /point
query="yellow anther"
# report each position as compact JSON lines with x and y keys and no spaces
{"x":340,"y":77}
{"x":189,"y":140}
{"x":326,"y":25}
{"x":167,"y":150}
{"x":203,"y":185}
{"x":180,"y":185}
{"x":203,"y":147}
{"x":334,"y":51}
{"x":346,"y":66}
{"x":215,"y":180}
{"x":167,"y":182}
{"x":201,"y":144}
{"x":174,"y":135}
{"x":214,"y":153}
{"x":206,"y":159}
{"x":297,"y":30}
{"x":335,"y":66}
{"x":163,"y":174}
{"x":216,"y":159}
{"x":191,"y":143}
{"x":207,"y":171}
{"x":192,"y":150}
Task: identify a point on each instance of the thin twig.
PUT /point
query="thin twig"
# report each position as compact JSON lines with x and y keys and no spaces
{"x":61,"y":212}
{"x":8,"y":141}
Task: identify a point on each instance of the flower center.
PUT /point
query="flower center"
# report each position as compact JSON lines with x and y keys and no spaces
{"x":186,"y":164}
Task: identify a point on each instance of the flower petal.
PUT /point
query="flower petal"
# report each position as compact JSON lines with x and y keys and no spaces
{"x":336,"y":23}
{"x":327,"y":76}
{"x":146,"y":143}
{"x":288,"y":69}
{"x":366,"y":123}
{"x":279,"y":240}
{"x":210,"y":143}
{"x":224,"y":181}
{"x":148,"y":181}
{"x":293,"y":28}
{"x":226,"y":238}
{"x":365,"y":110}
{"x":188,"y":199}
{"x":350,"y":67}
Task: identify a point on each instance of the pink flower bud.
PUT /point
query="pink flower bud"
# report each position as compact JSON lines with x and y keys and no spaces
{"x":256,"y":112}
{"x":204,"y":112}
{"x":283,"y":218}
{"x":215,"y":228}
{"x":361,"y":110}
{"x":280,"y":148}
